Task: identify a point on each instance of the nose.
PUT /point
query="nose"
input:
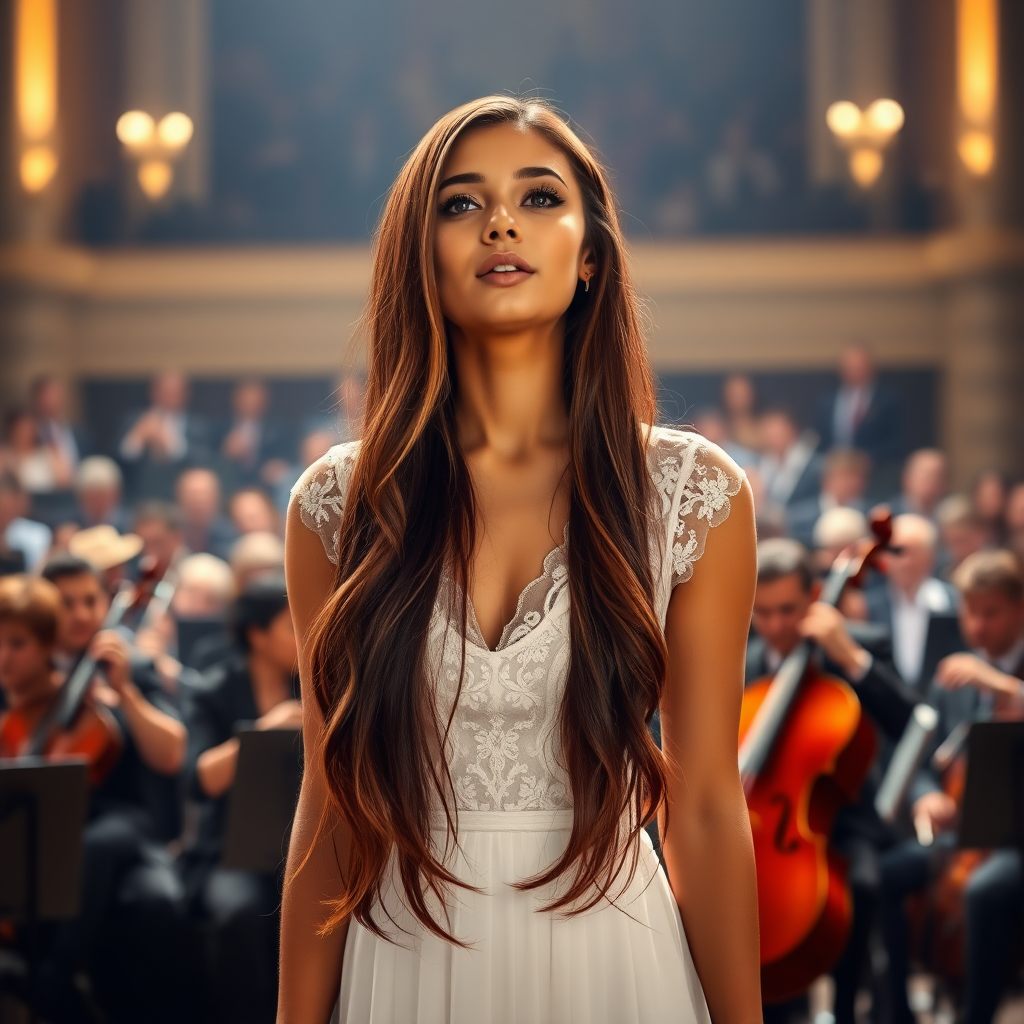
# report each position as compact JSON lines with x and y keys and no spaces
{"x":501,"y":225}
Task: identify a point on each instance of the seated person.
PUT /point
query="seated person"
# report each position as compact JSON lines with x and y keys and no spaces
{"x":991,"y":586}
{"x":23,"y":542}
{"x":205,"y":528}
{"x":256,"y":686}
{"x":785,"y":613}
{"x":129,"y":889}
{"x":844,"y":480}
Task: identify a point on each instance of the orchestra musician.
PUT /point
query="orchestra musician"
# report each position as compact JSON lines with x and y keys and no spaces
{"x":983,"y":682}
{"x":256,"y":685}
{"x":129,"y":929}
{"x":786,"y":612}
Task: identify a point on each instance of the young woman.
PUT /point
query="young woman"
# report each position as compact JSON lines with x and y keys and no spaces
{"x":494,"y":592}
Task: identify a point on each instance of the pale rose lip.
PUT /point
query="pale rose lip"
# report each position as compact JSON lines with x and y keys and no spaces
{"x":499,"y":259}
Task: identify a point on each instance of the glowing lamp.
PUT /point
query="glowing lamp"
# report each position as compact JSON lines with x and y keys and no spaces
{"x":135,"y":129}
{"x":843,"y":119}
{"x":175,"y":130}
{"x":977,"y":151}
{"x":38,"y":166}
{"x":155,"y":177}
{"x":865,"y":166}
{"x":885,"y":117}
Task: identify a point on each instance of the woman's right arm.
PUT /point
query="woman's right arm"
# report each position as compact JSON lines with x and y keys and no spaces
{"x":310,"y":963}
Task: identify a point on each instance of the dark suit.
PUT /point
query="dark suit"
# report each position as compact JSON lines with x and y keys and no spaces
{"x":879,"y":432}
{"x":273,"y":441}
{"x":943,"y":635}
{"x":146,"y":477}
{"x":859,"y":833}
{"x":993,"y":897}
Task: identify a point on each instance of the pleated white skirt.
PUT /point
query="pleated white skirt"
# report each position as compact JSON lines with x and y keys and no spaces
{"x":622,"y":964}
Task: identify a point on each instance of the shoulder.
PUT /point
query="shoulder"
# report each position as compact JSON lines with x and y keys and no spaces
{"x":696,"y":482}
{"x":319,"y":494}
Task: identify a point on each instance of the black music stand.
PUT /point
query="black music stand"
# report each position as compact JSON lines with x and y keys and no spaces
{"x":261,"y":803}
{"x":42,"y":814}
{"x":992,"y":814}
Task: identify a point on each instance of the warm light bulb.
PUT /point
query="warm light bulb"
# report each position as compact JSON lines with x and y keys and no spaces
{"x":35,"y":62}
{"x":135,"y":128}
{"x":38,"y":166}
{"x":885,"y":116}
{"x":843,"y":118}
{"x":155,"y":177}
{"x":978,"y":152}
{"x":865,"y":166}
{"x":175,"y":130}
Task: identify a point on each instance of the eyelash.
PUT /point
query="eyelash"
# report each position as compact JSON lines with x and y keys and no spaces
{"x":549,"y":193}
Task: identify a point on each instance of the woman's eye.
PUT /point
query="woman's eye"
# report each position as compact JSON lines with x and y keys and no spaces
{"x":544,"y":198}
{"x":455,"y":205}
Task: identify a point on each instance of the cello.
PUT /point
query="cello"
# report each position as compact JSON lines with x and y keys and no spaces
{"x":805,"y":749}
{"x":73,"y":723}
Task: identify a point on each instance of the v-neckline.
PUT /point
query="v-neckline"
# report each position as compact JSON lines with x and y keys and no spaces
{"x":474,"y":623}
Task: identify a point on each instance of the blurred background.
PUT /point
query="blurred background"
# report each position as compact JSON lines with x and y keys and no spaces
{"x":822,"y":199}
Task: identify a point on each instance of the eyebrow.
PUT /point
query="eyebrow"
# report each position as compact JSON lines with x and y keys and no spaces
{"x":475,"y":178}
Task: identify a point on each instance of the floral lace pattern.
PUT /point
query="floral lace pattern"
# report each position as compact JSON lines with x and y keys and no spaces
{"x":502,"y":742}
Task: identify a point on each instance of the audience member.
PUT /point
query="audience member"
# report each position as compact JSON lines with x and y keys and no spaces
{"x":844,"y":480}
{"x":991,"y":586}
{"x":252,"y":511}
{"x":925,"y":481}
{"x":710,"y":422}
{"x":918,"y":609}
{"x":835,"y":531}
{"x":1014,"y":516}
{"x":862,"y":413}
{"x":256,"y":554}
{"x":256,"y":686}
{"x":204,"y":589}
{"x":314,"y":445}
{"x":961,"y":532}
{"x":40,"y":467}
{"x":204,"y":527}
{"x":739,"y":400}
{"x":50,"y":408}
{"x":99,"y":489}
{"x":159,"y":525}
{"x":23,"y":542}
{"x":989,"y":497}
{"x":107,"y":551}
{"x":163,"y":438}
{"x":254,"y":446}
{"x":790,"y":466}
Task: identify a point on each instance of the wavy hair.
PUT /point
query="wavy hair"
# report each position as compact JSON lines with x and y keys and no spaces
{"x":409,"y":514}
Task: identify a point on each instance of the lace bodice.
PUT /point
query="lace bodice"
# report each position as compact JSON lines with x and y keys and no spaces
{"x":503,"y":744}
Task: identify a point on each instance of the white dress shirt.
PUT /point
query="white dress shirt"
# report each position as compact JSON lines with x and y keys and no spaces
{"x":174,"y":423}
{"x":851,"y":405}
{"x":910,"y":618}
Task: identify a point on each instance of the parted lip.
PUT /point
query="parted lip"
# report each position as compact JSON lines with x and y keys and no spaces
{"x":500,"y":259}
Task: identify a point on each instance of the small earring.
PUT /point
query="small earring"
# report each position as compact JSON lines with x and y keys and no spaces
{"x":586,"y":284}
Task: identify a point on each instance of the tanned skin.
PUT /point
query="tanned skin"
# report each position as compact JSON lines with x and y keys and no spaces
{"x":513,"y":425}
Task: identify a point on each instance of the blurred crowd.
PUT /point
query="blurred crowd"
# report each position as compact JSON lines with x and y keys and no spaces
{"x":165,"y":930}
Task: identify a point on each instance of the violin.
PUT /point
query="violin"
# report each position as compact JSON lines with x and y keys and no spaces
{"x":72,"y":723}
{"x":805,"y":750}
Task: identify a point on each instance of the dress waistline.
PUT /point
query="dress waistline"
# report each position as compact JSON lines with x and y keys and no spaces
{"x":510,"y":821}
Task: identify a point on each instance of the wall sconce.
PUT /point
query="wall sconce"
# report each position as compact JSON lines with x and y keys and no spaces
{"x":155,"y":145}
{"x":865,"y":133}
{"x":977,"y":82}
{"x":36,"y":90}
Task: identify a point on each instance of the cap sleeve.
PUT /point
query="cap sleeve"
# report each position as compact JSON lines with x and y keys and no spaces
{"x":695,"y":480}
{"x":320,"y":494}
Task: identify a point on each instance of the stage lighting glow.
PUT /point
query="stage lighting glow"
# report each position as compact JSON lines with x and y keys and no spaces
{"x":175,"y":130}
{"x":38,"y":166}
{"x":155,"y":177}
{"x":977,"y":59}
{"x":135,"y":128}
{"x":978,"y":152}
{"x":36,"y":67}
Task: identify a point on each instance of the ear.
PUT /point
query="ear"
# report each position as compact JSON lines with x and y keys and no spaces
{"x":587,"y":265}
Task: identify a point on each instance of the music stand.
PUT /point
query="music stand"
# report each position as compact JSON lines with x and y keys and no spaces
{"x":261,"y":803}
{"x":42,"y":815}
{"x":992,"y":814}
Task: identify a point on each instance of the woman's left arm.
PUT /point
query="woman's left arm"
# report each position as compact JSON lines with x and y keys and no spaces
{"x":707,"y":844}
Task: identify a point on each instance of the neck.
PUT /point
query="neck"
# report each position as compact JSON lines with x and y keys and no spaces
{"x":510,"y":394}
{"x":269,"y":683}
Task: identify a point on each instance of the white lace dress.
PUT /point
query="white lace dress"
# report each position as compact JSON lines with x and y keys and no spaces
{"x":625,"y":961}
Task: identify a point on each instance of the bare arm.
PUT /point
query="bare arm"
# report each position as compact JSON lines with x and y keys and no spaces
{"x":310,"y":964}
{"x":708,"y":848}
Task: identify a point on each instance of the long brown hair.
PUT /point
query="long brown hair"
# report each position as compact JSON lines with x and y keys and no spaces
{"x":409,"y":513}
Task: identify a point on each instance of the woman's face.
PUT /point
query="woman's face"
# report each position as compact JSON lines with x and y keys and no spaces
{"x":508,"y":199}
{"x":24,"y":663}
